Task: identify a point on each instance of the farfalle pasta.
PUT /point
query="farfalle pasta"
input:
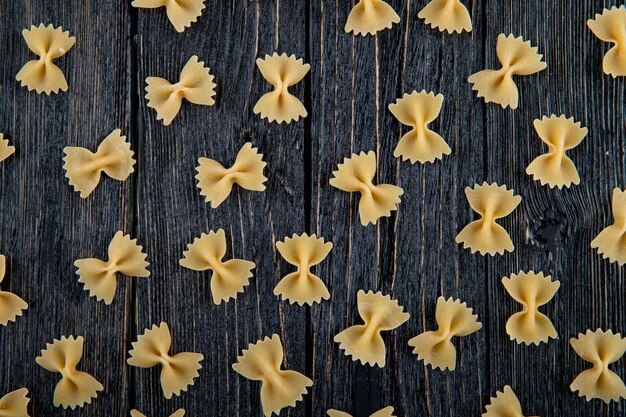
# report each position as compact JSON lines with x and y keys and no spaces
{"x":282,"y":72}
{"x":448,"y":15}
{"x":385,"y":412}
{"x":6,"y":149}
{"x":83,"y":168}
{"x":206,"y":253}
{"x":279,"y":388}
{"x":517,"y":58}
{"x":420,"y":143}
{"x":609,"y":241}
{"x":364,"y":342}
{"x":216,"y":182}
{"x":355,"y":174}
{"x":178,"y":413}
{"x":370,"y":16}
{"x":601,"y":349}
{"x":504,"y":404}
{"x":610,"y":26}
{"x":435,"y":348}
{"x":15,"y":404}
{"x":11,"y":306}
{"x":531,"y":290}
{"x":484,"y":235}
{"x":304,"y":252}
{"x":49,"y":43}
{"x":99,"y":277}
{"x":75,"y":388}
{"x":152,"y":348}
{"x":181,"y":13}
{"x":196,"y":85}
{"x":555,"y":168}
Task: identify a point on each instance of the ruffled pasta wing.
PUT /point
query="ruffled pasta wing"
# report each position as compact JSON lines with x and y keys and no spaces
{"x":385,"y":412}
{"x":337,"y":413}
{"x":216,"y":182}
{"x":11,"y":306}
{"x":610,"y":241}
{"x":448,"y":15}
{"x":15,"y":403}
{"x":6,"y":150}
{"x":181,"y":13}
{"x":370,"y":16}
{"x":610,"y":26}
{"x":279,"y":388}
{"x":178,"y":413}
{"x":504,"y":404}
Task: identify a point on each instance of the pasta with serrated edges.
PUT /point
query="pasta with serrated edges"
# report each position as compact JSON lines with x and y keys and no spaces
{"x":610,"y":26}
{"x":370,"y":16}
{"x":384,"y":412}
{"x":609,"y":241}
{"x":11,"y":306}
{"x":181,"y":13}
{"x":6,"y":149}
{"x":448,"y":15}
{"x":504,"y":404}
{"x":15,"y":403}
{"x":178,"y":413}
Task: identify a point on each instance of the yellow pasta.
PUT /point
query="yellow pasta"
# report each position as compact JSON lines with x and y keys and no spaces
{"x":6,"y":150}
{"x":504,"y":404}
{"x":11,"y":306}
{"x":181,"y":13}
{"x":610,"y":241}
{"x":178,"y":413}
{"x":610,"y":26}
{"x":385,"y":412}
{"x":370,"y":16}
{"x":448,"y":15}
{"x":15,"y":404}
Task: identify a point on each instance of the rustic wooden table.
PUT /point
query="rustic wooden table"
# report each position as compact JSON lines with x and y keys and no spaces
{"x":45,"y":225}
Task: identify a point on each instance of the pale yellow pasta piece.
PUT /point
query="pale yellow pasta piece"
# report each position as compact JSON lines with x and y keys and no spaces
{"x":454,"y":318}
{"x":448,"y":15}
{"x":181,"y":13}
{"x":281,"y":72}
{"x":517,"y":58}
{"x":113,"y":157}
{"x":196,"y":85}
{"x":610,"y":26}
{"x":610,"y":241}
{"x":364,"y":342}
{"x":75,"y":388}
{"x":279,"y":388}
{"x":385,"y":412}
{"x":11,"y":305}
{"x":178,"y":413}
{"x":504,"y":404}
{"x":531,"y":290}
{"x":355,"y":174}
{"x":42,"y":75}
{"x":216,"y":182}
{"x":6,"y":150}
{"x":484,"y":235}
{"x":302,"y":286}
{"x":15,"y":404}
{"x":229,"y":278}
{"x":601,"y":349}
{"x":420,"y":143}
{"x":152,"y":348}
{"x":370,"y":16}
{"x":555,"y":168}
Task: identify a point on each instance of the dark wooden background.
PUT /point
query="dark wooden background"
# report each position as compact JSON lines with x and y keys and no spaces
{"x":45,"y":225}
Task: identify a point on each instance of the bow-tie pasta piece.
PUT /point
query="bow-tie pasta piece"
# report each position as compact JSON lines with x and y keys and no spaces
{"x":302,"y":286}
{"x":484,"y":235}
{"x":531,"y":291}
{"x":196,"y":85}
{"x":281,"y":72}
{"x":601,"y":349}
{"x":364,"y":342}
{"x":385,"y":412}
{"x":610,"y":240}
{"x":42,"y":75}
{"x":229,"y":278}
{"x":15,"y":403}
{"x":517,"y":58}
{"x":181,"y":13}
{"x":355,"y":174}
{"x":11,"y":305}
{"x":555,"y":168}
{"x":75,"y":388}
{"x":178,"y":413}
{"x":6,"y":150}
{"x":216,"y":182}
{"x":610,"y":26}
{"x":454,"y":318}
{"x":504,"y":404}
{"x":279,"y":388}
{"x":448,"y":15}
{"x":113,"y":157}
{"x":152,"y":348}
{"x":370,"y":16}
{"x":420,"y":143}
{"x":100,"y":277}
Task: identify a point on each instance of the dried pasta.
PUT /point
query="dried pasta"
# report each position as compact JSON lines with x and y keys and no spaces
{"x":448,"y":15}
{"x":75,"y":388}
{"x":517,"y":58}
{"x":11,"y":306}
{"x":610,"y":26}
{"x":370,"y":16}
{"x":601,"y":349}
{"x":420,"y":143}
{"x":282,"y":72}
{"x":178,"y":413}
{"x":355,"y":174}
{"x":216,"y":182}
{"x":435,"y":348}
{"x":152,"y":348}
{"x":484,"y":235}
{"x":279,"y":388}
{"x":385,"y":412}
{"x":181,"y":13}
{"x":125,"y":256}
{"x":364,"y":342}
{"x":229,"y":278}
{"x":504,"y":404}
{"x":6,"y":150}
{"x":531,"y":290}
{"x":196,"y":85}
{"x":15,"y":404}
{"x":113,"y":157}
{"x":555,"y":168}
{"x":609,"y":241}
{"x":49,"y":43}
